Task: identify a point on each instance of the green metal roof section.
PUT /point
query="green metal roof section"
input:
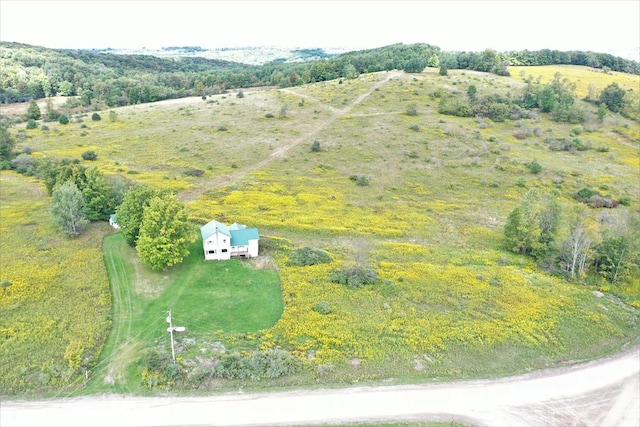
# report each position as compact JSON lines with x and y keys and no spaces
{"x":211,"y":227}
{"x":241,"y":237}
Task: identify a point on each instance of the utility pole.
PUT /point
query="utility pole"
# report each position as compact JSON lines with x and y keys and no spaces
{"x":173,"y":350}
{"x":171,"y":329}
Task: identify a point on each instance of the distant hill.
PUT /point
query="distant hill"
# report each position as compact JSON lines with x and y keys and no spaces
{"x":110,"y":77}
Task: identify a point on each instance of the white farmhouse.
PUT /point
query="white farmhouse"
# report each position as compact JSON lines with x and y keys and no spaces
{"x":223,"y":242}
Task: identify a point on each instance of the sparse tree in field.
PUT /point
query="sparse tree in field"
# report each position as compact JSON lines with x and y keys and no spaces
{"x":547,"y":99}
{"x":67,"y":208}
{"x":522,"y":230}
{"x":443,"y":70}
{"x":33,"y":112}
{"x":602,"y":112}
{"x":130,"y":213}
{"x":532,"y":226}
{"x":613,"y":97}
{"x":433,"y":61}
{"x":576,"y":251}
{"x":165,"y":233}
{"x":63,"y":119}
{"x":472,"y":92}
{"x":315,"y":147}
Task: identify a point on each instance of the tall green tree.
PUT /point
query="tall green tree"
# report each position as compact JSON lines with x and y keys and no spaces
{"x":532,"y":226}
{"x":7,"y":143}
{"x":67,"y":208}
{"x":613,"y":97}
{"x":130,"y":213}
{"x":33,"y":112}
{"x":165,"y":233}
{"x":99,"y":196}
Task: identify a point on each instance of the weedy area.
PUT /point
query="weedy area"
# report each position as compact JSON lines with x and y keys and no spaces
{"x":390,"y":188}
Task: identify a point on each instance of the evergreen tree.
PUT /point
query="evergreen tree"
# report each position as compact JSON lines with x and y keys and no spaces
{"x":165,"y":233}
{"x":33,"y":112}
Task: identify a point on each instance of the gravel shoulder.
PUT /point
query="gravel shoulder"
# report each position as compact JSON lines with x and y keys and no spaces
{"x":600,"y":393}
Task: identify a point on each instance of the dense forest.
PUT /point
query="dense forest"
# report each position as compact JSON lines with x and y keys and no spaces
{"x":102,"y":79}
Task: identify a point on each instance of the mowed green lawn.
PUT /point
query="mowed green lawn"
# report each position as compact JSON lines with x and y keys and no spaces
{"x":204,"y":296}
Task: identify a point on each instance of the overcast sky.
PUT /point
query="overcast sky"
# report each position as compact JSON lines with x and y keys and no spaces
{"x":453,"y":25}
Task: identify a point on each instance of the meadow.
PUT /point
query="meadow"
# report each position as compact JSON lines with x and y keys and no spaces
{"x":55,"y":299}
{"x":426,"y":210}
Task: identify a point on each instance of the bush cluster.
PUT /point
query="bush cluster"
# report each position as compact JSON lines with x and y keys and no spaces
{"x":355,"y":277}
{"x":308,"y":256}
{"x":160,"y":371}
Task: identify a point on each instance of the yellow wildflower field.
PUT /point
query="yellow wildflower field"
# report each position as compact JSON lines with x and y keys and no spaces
{"x":55,"y":299}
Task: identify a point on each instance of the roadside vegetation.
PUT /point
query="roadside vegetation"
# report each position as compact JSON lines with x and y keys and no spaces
{"x":438,"y":227}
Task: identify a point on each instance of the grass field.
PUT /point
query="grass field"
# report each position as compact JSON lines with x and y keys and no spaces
{"x":454,"y":303}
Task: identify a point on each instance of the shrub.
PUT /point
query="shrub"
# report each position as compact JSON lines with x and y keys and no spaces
{"x":269,"y":115}
{"x":308,"y":256}
{"x":222,"y":128}
{"x":24,"y":164}
{"x":584,"y":194}
{"x":412,"y":110}
{"x":360,"y":180}
{"x":194,"y":172}
{"x":322,"y":307}
{"x":96,"y":117}
{"x":534,"y":167}
{"x":415,"y":128}
{"x":240,"y":94}
{"x":625,"y":201}
{"x":90,"y":155}
{"x":355,"y":277}
{"x":315,"y":147}
{"x":31,"y":124}
{"x":63,"y":119}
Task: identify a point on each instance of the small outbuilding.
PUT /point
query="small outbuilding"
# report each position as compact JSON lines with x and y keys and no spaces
{"x":112,"y":221}
{"x":221,"y":242}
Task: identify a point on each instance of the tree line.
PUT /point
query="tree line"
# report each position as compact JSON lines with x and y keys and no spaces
{"x":104,"y":79}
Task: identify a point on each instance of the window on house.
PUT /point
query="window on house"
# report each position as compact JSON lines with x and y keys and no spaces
{"x":224,"y":250}
{"x":212,"y":252}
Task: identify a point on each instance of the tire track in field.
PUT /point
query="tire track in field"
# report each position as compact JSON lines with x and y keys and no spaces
{"x":224,"y":180}
{"x":122,"y":314}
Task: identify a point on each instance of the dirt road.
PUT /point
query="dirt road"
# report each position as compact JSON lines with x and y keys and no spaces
{"x":600,"y":393}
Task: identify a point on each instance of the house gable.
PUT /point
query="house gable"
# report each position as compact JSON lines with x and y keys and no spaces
{"x":220,"y":242}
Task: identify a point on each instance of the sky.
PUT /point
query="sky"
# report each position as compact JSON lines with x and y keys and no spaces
{"x":606,"y":26}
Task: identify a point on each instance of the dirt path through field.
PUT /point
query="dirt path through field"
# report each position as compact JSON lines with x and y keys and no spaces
{"x":220,"y":181}
{"x":600,"y":393}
